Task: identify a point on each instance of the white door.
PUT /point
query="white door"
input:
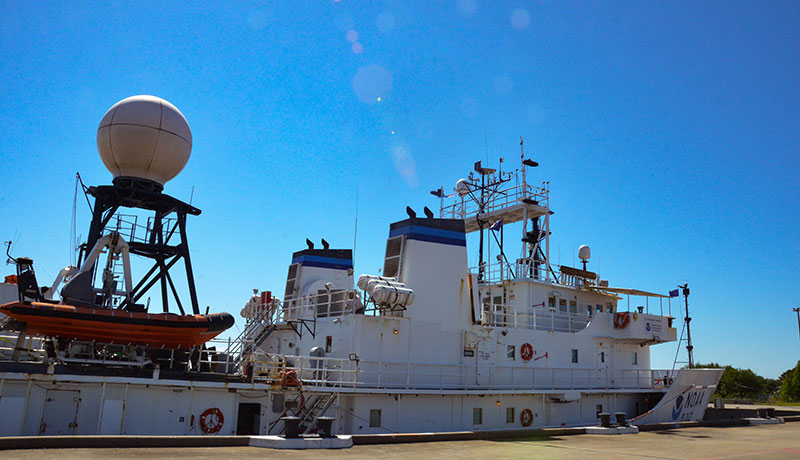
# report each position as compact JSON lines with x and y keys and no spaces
{"x":603,"y":359}
{"x":111,"y":422}
{"x":485,"y":359}
{"x":60,"y":415}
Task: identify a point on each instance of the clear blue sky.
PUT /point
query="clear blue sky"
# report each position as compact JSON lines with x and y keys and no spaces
{"x":669,"y":131}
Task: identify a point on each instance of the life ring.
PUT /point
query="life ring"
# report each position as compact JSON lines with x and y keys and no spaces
{"x":621,"y":320}
{"x":526,"y":351}
{"x":211,"y":420}
{"x":526,"y":417}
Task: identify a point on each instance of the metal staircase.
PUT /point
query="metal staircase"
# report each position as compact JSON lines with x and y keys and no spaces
{"x":255,"y":332}
{"x":316,"y":408}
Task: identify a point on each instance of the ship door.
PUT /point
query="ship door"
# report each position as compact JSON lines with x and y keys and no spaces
{"x":60,"y":415}
{"x":485,"y":358}
{"x":249,"y":420}
{"x":603,"y":359}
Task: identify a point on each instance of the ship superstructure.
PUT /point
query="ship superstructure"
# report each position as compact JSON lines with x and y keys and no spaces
{"x":427,"y":344}
{"x":432,"y":344}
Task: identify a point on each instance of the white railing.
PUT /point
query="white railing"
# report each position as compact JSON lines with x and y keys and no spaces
{"x":534,"y":318}
{"x":524,"y":268}
{"x":338,"y":373}
{"x":504,"y":198}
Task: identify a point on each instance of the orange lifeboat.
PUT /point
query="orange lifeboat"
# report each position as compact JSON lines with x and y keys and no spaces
{"x":162,"y":330}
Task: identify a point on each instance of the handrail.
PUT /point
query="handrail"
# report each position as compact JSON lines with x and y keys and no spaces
{"x":339,"y":373}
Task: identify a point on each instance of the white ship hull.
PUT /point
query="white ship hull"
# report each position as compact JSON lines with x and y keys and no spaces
{"x":40,"y":404}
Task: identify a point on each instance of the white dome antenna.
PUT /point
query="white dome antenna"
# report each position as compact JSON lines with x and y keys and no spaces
{"x":145,"y":139}
{"x":462,"y":187}
{"x":584,"y":253}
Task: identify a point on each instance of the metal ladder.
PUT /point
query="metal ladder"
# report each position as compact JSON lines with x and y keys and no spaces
{"x":253,"y":335}
{"x":318,"y":407}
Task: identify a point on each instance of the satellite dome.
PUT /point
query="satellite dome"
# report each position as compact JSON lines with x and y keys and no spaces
{"x":144,"y":137}
{"x":462,"y":187}
{"x":584,"y":253}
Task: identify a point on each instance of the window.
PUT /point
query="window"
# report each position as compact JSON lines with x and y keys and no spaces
{"x":511,"y":352}
{"x":509,"y":415}
{"x":374,"y":418}
{"x":573,"y":306}
{"x":599,"y":309}
{"x":589,"y":309}
{"x":574,"y":355}
{"x":598,"y":410}
{"x":551,"y":303}
{"x":328,"y":343}
{"x":602,"y":356}
{"x":562,"y":305}
{"x":634,"y":358}
{"x":477,"y":416}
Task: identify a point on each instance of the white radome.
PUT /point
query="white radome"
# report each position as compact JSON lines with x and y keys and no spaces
{"x":584,"y":253}
{"x":462,"y":187}
{"x":144,"y":137}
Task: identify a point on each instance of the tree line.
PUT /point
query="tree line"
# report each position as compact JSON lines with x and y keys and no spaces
{"x":746,"y":384}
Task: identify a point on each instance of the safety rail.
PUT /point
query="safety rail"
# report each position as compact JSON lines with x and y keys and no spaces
{"x":339,"y":373}
{"x":501,"y":199}
{"x":32,"y":348}
{"x":536,"y":317}
{"x":527,"y":269}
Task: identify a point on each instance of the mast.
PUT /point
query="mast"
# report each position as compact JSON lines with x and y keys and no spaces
{"x":689,"y":347}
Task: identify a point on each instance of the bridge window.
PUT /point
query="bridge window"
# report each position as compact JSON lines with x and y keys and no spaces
{"x":599,"y":309}
{"x":573,"y":306}
{"x":562,"y":305}
{"x":551,"y":302}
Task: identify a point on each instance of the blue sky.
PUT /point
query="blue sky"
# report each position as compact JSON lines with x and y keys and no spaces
{"x":669,"y":133}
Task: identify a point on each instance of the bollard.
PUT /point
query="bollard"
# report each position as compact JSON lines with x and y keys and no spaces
{"x":291,"y":427}
{"x":324,"y":425}
{"x":620,"y":418}
{"x":605,"y":419}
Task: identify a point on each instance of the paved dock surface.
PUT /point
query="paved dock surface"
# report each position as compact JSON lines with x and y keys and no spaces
{"x":764,"y":441}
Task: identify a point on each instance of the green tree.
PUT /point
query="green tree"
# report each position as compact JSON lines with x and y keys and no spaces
{"x":790,"y":385}
{"x":741,"y":383}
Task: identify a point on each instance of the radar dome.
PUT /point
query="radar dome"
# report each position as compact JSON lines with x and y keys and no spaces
{"x":584,"y":253}
{"x":462,"y":187}
{"x":144,"y":137}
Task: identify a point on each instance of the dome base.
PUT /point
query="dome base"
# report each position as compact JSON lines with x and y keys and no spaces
{"x":138,"y":183}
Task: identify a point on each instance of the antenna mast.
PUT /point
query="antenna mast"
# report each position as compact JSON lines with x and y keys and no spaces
{"x":688,"y":319}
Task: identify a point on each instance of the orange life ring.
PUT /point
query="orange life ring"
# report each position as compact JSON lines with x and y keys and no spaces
{"x":621,"y":320}
{"x":526,"y":417}
{"x":526,"y":351}
{"x":211,"y":420}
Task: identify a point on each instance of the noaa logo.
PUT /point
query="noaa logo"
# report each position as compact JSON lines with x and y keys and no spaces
{"x":676,"y":412}
{"x":647,"y":326}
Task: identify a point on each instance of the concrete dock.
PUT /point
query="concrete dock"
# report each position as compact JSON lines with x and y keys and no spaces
{"x":780,"y":441}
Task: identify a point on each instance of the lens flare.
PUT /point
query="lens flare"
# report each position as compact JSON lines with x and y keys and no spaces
{"x":372,"y":82}
{"x":520,"y":18}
